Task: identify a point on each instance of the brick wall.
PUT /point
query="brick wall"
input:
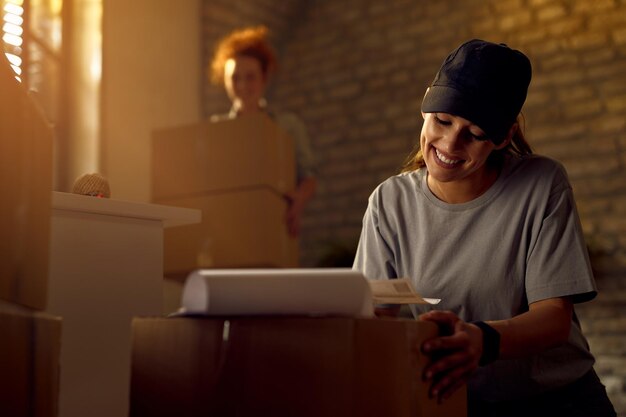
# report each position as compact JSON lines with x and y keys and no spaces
{"x":355,"y":71}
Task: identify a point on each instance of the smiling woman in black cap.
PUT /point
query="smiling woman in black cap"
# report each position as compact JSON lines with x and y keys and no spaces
{"x":479,"y":221}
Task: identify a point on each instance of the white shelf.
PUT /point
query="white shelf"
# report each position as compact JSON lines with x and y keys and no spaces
{"x":170,"y":216}
{"x":106,"y":267}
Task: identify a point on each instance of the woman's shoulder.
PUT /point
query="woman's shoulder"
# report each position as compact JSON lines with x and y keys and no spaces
{"x":534,"y":165}
{"x":400,"y":184}
{"x":286,"y":118}
{"x":538,"y":169}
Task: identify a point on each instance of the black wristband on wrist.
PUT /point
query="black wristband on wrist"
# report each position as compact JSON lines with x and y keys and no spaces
{"x":491,"y":343}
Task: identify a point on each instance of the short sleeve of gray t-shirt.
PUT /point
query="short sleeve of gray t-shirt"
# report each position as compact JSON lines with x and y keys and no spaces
{"x":487,"y":259}
{"x":294,"y":126}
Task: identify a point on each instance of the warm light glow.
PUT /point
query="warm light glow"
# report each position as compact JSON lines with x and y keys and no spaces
{"x":56,"y":34}
{"x":13,"y":9}
{"x":12,"y":39}
{"x":12,"y":34}
{"x":95,"y":67}
{"x":13,"y":18}
{"x":14,"y":59}
{"x":56,"y":6}
{"x":12,"y":29}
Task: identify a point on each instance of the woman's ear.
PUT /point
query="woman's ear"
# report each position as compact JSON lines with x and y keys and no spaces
{"x":509,"y":137}
{"x":503,"y":144}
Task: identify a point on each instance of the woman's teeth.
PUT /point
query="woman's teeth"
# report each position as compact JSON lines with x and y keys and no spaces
{"x":446,"y":160}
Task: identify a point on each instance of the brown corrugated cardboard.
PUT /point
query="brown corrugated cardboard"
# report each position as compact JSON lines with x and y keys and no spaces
{"x":225,"y":155}
{"x":25,"y":187}
{"x":282,"y":367}
{"x":237,"y":172}
{"x":30,"y":345}
{"x":238,"y":229}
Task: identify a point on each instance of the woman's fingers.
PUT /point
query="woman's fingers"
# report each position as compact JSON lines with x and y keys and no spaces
{"x":445,"y":321}
{"x":442,"y":318}
{"x":444,"y":389}
{"x":454,"y":356}
{"x":447,"y":363}
{"x":446,"y":343}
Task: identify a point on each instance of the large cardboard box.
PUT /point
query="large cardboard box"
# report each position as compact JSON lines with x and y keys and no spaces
{"x":238,"y":229}
{"x":237,"y":173}
{"x":282,"y":367}
{"x":225,"y":155}
{"x":25,"y":187}
{"x":30,"y":344}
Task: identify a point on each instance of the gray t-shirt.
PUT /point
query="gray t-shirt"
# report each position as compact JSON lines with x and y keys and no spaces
{"x":487,"y":259}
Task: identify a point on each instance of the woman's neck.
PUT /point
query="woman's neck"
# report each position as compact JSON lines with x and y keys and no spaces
{"x":457,"y":192}
{"x":248,"y":108}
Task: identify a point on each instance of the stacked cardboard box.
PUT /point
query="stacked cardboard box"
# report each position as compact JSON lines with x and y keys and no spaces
{"x":30,"y":345}
{"x":29,"y":338}
{"x":25,"y":187}
{"x":237,"y":172}
{"x":283,"y":367}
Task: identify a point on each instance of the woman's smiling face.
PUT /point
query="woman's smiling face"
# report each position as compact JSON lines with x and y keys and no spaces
{"x":244,"y":81}
{"x":455,"y":151}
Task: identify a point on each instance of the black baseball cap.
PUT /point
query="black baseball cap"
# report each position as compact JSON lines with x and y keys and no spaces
{"x":483,"y":82}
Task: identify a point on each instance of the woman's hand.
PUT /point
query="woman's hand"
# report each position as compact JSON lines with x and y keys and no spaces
{"x":297,"y":201}
{"x":390,"y":310}
{"x":294,"y":213}
{"x":454,"y":356}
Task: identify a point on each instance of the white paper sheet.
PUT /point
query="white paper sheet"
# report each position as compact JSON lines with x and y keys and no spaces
{"x":320,"y":291}
{"x":397,"y":291}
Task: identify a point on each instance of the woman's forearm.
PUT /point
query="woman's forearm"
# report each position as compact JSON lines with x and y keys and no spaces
{"x":545,"y":325}
{"x":298,"y":200}
{"x":306,"y":189}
